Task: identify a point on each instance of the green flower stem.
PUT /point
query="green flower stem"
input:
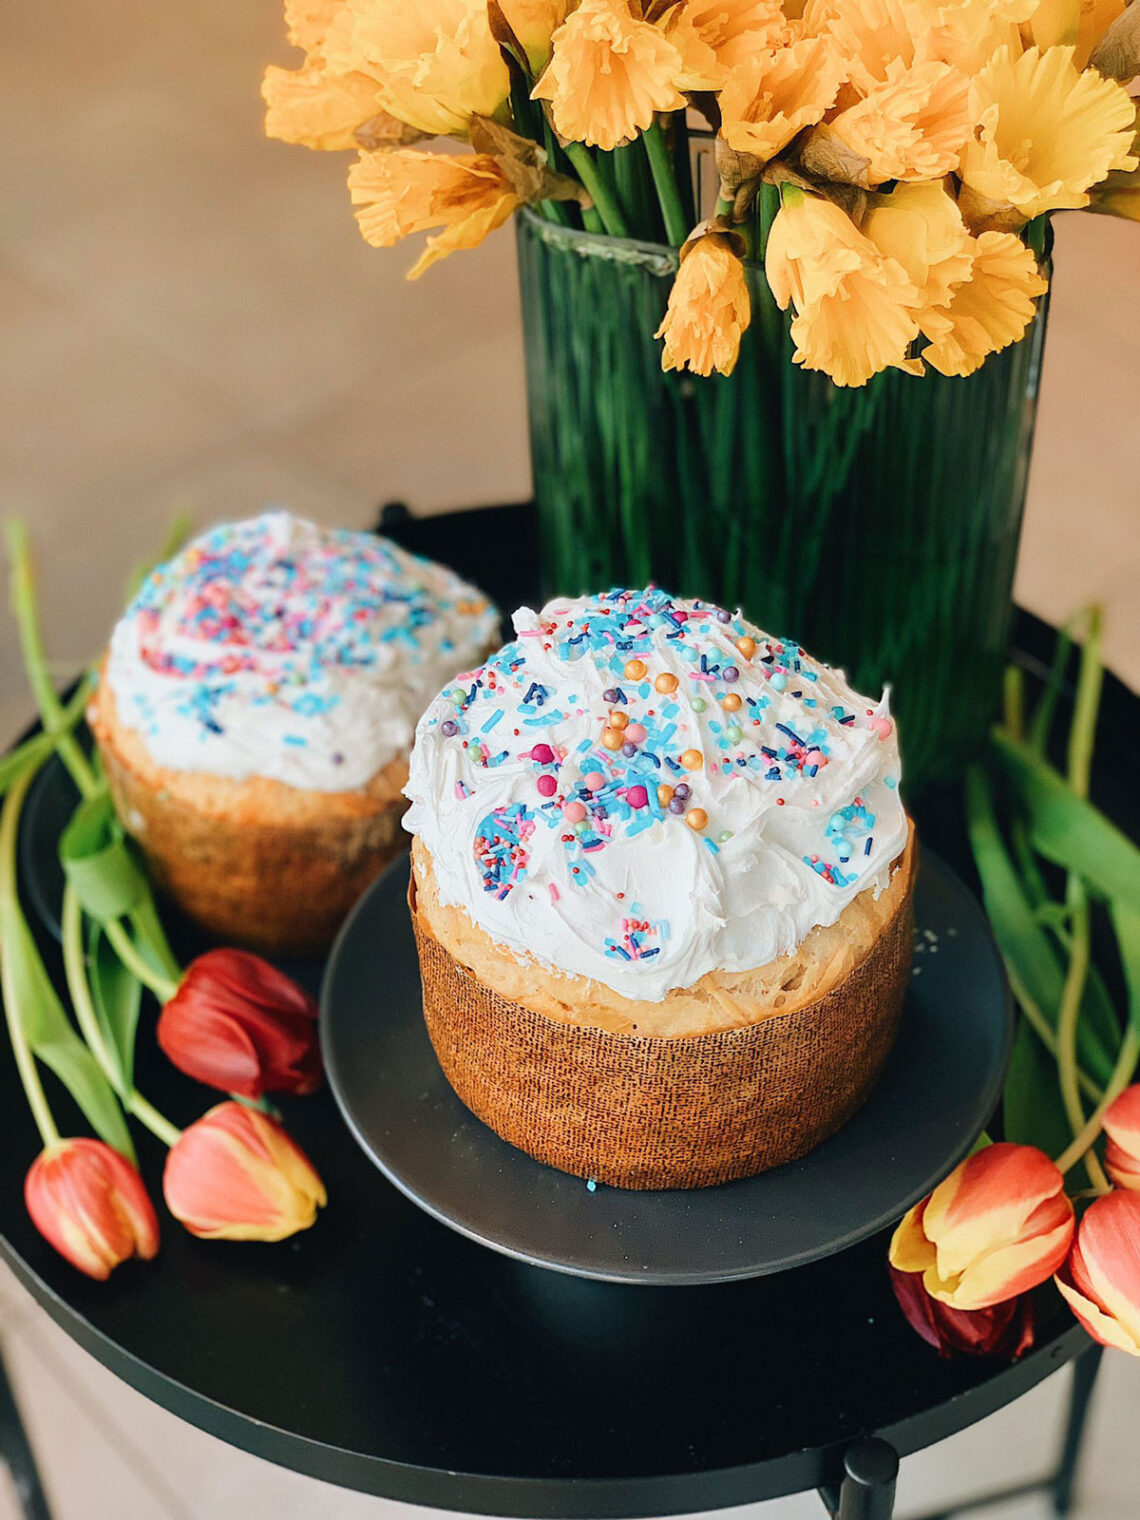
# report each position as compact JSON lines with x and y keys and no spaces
{"x":136,"y":963}
{"x":604,"y":201}
{"x":25,"y":1060}
{"x":1046,"y":1034}
{"x":723,"y":208}
{"x":75,"y":969}
{"x":53,"y":715}
{"x":1081,"y":740}
{"x":665,"y":183}
{"x":1122,"y":1075}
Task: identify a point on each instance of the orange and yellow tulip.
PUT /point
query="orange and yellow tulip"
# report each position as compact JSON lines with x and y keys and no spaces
{"x":1101,"y":1280}
{"x":90,"y":1204}
{"x":1122,"y":1126}
{"x":996,"y":1227}
{"x":236,"y":1175}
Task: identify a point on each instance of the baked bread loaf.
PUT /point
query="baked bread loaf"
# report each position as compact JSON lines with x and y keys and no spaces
{"x":256,"y":711}
{"x":662,"y":885}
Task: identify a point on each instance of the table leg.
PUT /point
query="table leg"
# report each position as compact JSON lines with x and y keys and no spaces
{"x":867,"y":1491}
{"x":17,"y":1454}
{"x":1085,"y":1369}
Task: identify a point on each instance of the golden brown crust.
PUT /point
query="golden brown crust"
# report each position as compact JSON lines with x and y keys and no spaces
{"x":642,"y":1111}
{"x":720,"y":1000}
{"x":257,"y":862}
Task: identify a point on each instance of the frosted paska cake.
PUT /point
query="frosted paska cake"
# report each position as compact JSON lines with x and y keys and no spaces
{"x":662,"y":883}
{"x":255,"y":715}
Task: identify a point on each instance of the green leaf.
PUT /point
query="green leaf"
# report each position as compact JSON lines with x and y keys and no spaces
{"x":27,"y":756}
{"x":1042,"y":721}
{"x":50,"y":1034}
{"x":1070,"y":831}
{"x":1126,"y":923}
{"x":99,"y":862}
{"x":1032,"y":1110}
{"x":1025,"y":945}
{"x":117,"y":996}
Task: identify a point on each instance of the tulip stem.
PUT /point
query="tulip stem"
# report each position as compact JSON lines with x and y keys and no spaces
{"x":88,"y":1020}
{"x":604,"y":202}
{"x":53,"y":715}
{"x":158,"y":1124}
{"x":1123,"y":1073}
{"x":1081,"y":739}
{"x":9,"y":914}
{"x":136,"y":963}
{"x":665,"y":183}
{"x":1046,"y":1033}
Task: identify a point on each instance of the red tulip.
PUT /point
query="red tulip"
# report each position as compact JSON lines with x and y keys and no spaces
{"x":236,"y":1175}
{"x":239,"y":1024}
{"x":996,"y":1227}
{"x":1101,"y":1279}
{"x":90,"y":1204}
{"x":1004,"y":1329}
{"x":1122,"y":1153}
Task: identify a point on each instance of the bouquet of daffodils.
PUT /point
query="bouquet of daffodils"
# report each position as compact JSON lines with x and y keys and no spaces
{"x":888,"y":166}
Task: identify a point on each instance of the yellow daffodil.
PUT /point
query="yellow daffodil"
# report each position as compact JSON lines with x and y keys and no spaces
{"x":856,"y":307}
{"x":402,"y":191}
{"x":609,"y":72}
{"x":317,"y":107}
{"x":712,"y":36}
{"x":436,"y":61}
{"x":775,"y":92}
{"x":990,"y":310}
{"x":921,"y":227}
{"x":912,"y":125}
{"x":871,"y":35}
{"x":709,"y":307}
{"x":967,"y":33}
{"x":1072,"y":23}
{"x":1047,"y":132}
{"x":533,"y":23}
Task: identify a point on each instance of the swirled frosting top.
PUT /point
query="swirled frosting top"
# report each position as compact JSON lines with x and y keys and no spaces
{"x":274,"y":647}
{"x":640,"y":790}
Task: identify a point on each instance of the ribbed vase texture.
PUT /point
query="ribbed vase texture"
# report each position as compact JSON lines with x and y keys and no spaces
{"x":877,"y":526}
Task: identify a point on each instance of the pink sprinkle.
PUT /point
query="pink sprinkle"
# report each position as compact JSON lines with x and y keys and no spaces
{"x":547,"y":786}
{"x":574,"y":812}
{"x":595,"y":781}
{"x":544,"y":755}
{"x":815,"y":757}
{"x":636,"y":734}
{"x":700,"y":675}
{"x":637,"y":797}
{"x":882,"y":726}
{"x":554,"y":892}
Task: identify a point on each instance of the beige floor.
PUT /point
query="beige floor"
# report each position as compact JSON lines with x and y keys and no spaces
{"x":189,"y":320}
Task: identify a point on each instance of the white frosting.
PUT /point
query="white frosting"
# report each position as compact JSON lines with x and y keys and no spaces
{"x":803,"y":811}
{"x":277,"y":648}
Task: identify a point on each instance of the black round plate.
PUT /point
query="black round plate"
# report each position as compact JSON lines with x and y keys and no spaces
{"x":936,"y":1094}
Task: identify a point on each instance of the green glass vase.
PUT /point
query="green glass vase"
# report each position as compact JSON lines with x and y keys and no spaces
{"x":878,"y":526}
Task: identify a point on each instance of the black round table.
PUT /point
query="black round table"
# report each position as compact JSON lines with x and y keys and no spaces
{"x":382,"y":1351}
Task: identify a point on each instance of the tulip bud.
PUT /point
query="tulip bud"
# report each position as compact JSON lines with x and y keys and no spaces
{"x":239,"y":1024}
{"x":236,"y":1175}
{"x":996,"y":1227}
{"x":1122,"y":1126}
{"x":1101,"y":1279}
{"x":90,"y":1204}
{"x":1004,"y":1329}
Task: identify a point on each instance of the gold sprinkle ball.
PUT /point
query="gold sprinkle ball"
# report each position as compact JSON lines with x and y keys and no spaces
{"x":731,"y":702}
{"x":664,"y":794}
{"x":666,"y":682}
{"x":618,"y":720}
{"x":692,"y":759}
{"x":696,"y":818}
{"x":611,"y":738}
{"x":635,"y":669}
{"x":746,"y":646}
